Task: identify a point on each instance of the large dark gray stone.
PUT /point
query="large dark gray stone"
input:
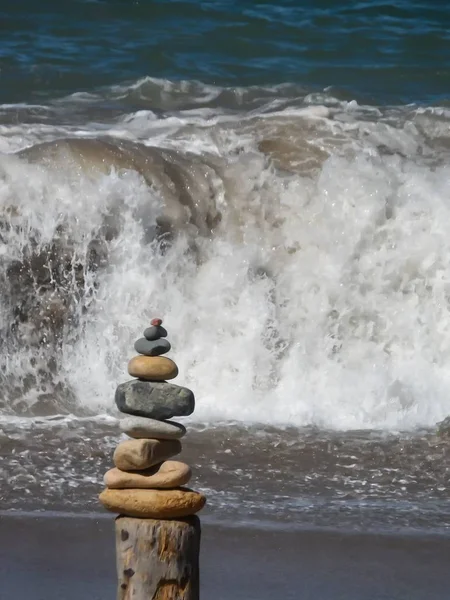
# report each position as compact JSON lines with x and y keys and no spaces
{"x":154,"y":399}
{"x":155,"y":332}
{"x":152,"y":348}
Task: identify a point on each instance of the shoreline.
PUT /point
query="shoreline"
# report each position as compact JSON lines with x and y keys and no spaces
{"x":60,"y":558}
{"x":258,"y":525}
{"x":344,"y":481}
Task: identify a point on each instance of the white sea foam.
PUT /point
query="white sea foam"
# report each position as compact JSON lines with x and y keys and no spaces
{"x":322,"y":298}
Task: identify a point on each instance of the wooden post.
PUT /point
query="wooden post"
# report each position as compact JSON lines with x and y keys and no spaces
{"x":158,"y":559}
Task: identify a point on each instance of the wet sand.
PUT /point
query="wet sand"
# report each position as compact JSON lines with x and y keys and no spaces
{"x":54,"y":558}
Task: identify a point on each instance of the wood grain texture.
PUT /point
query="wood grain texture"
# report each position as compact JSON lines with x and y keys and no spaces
{"x":158,"y":559}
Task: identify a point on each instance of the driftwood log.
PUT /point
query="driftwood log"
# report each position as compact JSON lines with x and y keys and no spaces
{"x":158,"y":559}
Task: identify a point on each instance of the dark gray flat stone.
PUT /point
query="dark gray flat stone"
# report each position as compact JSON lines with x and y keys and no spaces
{"x":154,"y":399}
{"x":152,"y":348}
{"x":155,"y":332}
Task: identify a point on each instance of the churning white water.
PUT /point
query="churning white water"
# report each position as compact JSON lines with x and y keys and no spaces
{"x":320,"y":297}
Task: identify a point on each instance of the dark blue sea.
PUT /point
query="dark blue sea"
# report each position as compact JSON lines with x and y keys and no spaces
{"x":272,"y":179}
{"x":379,"y":52}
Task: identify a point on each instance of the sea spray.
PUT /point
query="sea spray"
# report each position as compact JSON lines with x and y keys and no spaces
{"x":311,"y":287}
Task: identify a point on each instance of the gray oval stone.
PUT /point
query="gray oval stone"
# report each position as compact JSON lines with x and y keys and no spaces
{"x":154,"y":399}
{"x":155,"y":332}
{"x":141,"y":427}
{"x":152,"y":348}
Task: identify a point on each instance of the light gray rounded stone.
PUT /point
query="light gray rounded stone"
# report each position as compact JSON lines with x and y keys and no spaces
{"x":152,"y":348}
{"x":155,"y":332}
{"x":140,"y":427}
{"x":154,"y":399}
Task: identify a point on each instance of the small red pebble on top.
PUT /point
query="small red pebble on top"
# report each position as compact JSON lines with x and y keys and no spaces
{"x":156,"y":322}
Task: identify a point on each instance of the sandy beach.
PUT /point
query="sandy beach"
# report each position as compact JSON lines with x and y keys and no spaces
{"x":68,"y":558}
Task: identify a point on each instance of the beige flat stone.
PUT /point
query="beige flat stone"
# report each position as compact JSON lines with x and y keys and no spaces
{"x":152,"y":368}
{"x":169,"y":474}
{"x":137,"y":455}
{"x":153,"y":504}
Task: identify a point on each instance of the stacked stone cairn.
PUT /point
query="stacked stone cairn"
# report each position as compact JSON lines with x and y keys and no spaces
{"x":144,"y":482}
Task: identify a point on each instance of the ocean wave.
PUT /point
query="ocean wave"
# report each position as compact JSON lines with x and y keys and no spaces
{"x":295,"y":246}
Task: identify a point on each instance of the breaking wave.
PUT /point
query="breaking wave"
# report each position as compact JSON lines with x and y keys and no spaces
{"x":296,"y":245}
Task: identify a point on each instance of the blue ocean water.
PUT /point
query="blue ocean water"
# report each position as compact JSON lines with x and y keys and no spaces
{"x":382,"y":52}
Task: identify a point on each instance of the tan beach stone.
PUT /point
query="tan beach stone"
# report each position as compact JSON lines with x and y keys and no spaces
{"x":169,"y":474}
{"x":152,"y":368}
{"x":153,"y":504}
{"x":137,"y":455}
